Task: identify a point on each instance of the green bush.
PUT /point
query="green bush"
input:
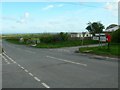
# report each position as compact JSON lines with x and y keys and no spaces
{"x":115,"y":36}
{"x":63,"y":36}
{"x":55,"y":38}
{"x":48,"y":39}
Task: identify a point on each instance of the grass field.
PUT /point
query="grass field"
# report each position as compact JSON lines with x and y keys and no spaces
{"x":103,"y":50}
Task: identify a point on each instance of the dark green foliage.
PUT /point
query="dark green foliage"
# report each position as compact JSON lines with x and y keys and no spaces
{"x":53,"y":44}
{"x":14,"y":40}
{"x":48,"y":39}
{"x":115,"y":36}
{"x":55,"y":38}
{"x":68,"y":43}
{"x":63,"y":36}
{"x":95,"y":27}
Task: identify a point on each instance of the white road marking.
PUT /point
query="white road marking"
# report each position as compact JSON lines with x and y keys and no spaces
{"x":45,"y":85}
{"x":37,"y":79}
{"x":22,"y":67}
{"x":14,"y":62}
{"x":19,"y":65}
{"x":6,"y":60}
{"x":30,"y":74}
{"x":8,"y":57}
{"x":60,"y":50}
{"x":67,"y":61}
{"x":26,"y":70}
{"x":4,"y":52}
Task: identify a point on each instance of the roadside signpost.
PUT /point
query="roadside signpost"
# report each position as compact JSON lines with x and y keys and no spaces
{"x":101,"y":37}
{"x":95,"y":38}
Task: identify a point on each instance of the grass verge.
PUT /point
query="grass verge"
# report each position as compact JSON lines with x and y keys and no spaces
{"x":59,"y":44}
{"x":15,"y":41}
{"x":103,"y":50}
{"x":65,"y":44}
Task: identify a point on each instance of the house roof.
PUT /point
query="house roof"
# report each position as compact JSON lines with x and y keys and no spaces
{"x":113,"y":29}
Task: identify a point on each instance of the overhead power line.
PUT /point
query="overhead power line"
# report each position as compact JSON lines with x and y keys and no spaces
{"x":81,"y":4}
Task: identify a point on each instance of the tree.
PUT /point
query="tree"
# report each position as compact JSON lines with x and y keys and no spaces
{"x":95,"y":27}
{"x":115,"y":36}
{"x":63,"y":36}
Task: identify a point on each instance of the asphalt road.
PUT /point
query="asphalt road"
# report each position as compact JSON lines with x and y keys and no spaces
{"x":26,"y":67}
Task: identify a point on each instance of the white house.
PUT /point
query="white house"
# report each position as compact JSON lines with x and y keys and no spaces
{"x":87,"y":34}
{"x":112,"y":29}
{"x":74,"y":35}
{"x":79,"y":35}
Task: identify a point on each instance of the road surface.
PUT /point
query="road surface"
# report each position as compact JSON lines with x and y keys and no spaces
{"x":26,"y":67}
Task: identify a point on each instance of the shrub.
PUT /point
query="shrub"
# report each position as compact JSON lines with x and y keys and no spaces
{"x":55,"y":38}
{"x":63,"y":36}
{"x":48,"y":39}
{"x":115,"y":36}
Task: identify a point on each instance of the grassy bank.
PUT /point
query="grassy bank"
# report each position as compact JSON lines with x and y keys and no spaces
{"x":65,"y":44}
{"x":103,"y":50}
{"x":15,"y":41}
{"x":68,"y":43}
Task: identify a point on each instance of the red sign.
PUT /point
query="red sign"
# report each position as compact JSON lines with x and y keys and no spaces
{"x":108,"y":37}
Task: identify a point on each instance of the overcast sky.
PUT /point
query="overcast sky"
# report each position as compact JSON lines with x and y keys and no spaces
{"x":42,"y":17}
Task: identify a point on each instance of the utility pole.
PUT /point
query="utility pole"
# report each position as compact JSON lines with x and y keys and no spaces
{"x":92,"y":27}
{"x":99,"y":32}
{"x":83,"y":34}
